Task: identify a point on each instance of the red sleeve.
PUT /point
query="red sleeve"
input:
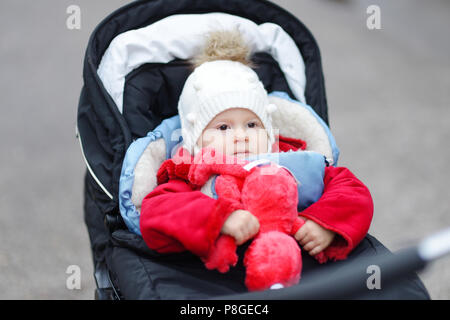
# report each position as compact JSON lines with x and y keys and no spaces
{"x":176,"y":218}
{"x":346,"y":207}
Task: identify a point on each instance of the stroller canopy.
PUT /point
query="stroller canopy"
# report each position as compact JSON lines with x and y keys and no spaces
{"x":127,"y":95}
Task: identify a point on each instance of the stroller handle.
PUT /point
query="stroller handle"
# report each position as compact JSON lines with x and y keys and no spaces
{"x":350,"y":281}
{"x":435,"y":246}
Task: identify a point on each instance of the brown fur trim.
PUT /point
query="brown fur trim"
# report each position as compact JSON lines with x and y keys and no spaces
{"x":224,"y":45}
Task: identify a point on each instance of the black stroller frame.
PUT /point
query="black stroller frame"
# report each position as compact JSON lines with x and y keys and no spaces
{"x":105,"y":134}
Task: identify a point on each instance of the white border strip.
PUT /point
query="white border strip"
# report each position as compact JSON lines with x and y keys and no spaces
{"x":89,"y":167}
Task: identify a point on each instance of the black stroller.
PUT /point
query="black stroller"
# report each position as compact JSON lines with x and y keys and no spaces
{"x":112,"y":115}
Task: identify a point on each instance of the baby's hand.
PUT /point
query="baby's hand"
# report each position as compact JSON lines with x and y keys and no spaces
{"x":313,"y":237}
{"x":241,"y":225}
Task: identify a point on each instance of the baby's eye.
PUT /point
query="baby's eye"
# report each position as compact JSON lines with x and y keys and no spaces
{"x":252,"y":124}
{"x":223,"y":127}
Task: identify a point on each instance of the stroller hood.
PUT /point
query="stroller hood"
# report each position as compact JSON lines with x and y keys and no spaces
{"x":104,"y":130}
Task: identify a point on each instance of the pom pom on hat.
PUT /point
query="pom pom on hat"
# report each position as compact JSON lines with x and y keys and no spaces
{"x":190,"y":117}
{"x":271,"y":108}
{"x":224,"y":45}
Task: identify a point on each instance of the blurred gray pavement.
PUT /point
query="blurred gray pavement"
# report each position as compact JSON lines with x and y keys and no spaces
{"x":389,"y":108}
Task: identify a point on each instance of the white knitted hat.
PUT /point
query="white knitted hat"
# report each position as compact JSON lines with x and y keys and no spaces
{"x":216,"y":86}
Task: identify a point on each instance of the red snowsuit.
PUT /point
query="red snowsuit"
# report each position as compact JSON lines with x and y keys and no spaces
{"x":176,"y":216}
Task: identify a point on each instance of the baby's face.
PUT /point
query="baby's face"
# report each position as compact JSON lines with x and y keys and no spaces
{"x":237,"y":132}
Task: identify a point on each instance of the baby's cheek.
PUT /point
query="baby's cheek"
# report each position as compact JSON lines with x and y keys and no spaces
{"x":206,"y":138}
{"x":212,"y":138}
{"x":262,"y":142}
{"x":228,"y":144}
{"x":257,"y":140}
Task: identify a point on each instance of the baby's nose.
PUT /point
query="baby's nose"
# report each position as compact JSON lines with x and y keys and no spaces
{"x":240,"y":135}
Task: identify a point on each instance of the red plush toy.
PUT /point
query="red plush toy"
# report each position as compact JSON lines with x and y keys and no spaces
{"x":270,"y":194}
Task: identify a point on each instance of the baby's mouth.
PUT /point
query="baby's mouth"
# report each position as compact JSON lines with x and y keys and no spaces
{"x":242,"y":153}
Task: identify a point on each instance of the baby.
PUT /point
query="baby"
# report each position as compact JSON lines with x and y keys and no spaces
{"x":267,"y":193}
{"x":224,"y":107}
{"x":239,"y":132}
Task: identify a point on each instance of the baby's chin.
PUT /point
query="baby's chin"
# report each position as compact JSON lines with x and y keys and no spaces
{"x":243,"y":155}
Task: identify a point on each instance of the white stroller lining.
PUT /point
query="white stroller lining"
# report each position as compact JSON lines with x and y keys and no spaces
{"x":180,"y":36}
{"x":145,"y":171}
{"x":291,"y":119}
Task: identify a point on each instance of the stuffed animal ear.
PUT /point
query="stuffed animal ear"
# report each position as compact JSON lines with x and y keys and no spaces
{"x":222,"y":255}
